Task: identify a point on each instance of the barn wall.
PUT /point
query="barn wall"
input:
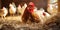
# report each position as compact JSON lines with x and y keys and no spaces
{"x":38,"y":3}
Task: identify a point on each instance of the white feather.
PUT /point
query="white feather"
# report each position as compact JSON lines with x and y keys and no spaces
{"x":19,"y":9}
{"x":41,"y":16}
{"x":24,"y":7}
{"x":3,"y":12}
{"x":12,"y":10}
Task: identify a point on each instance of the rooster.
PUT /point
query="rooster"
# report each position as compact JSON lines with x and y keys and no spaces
{"x":12,"y":9}
{"x":3,"y":12}
{"x":29,"y":14}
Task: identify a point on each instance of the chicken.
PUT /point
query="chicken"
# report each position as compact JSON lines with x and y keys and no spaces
{"x":35,"y":9}
{"x":3,"y":12}
{"x":42,"y":15}
{"x":13,"y":4}
{"x":52,"y":7}
{"x":12,"y":9}
{"x":23,"y":8}
{"x":19,"y":9}
{"x":29,"y":14}
{"x":53,"y":1}
{"x":25,"y":5}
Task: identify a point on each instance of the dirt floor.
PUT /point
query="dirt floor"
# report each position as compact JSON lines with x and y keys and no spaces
{"x":13,"y":23}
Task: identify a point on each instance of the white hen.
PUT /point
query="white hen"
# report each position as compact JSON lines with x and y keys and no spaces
{"x":43,"y":15}
{"x":52,"y":9}
{"x":19,"y":9}
{"x":3,"y":12}
{"x":12,"y":9}
{"x":35,"y":8}
{"x":23,"y":8}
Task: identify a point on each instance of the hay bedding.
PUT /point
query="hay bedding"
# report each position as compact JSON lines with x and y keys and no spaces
{"x":15,"y":24}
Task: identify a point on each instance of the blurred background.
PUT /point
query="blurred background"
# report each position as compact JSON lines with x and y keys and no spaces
{"x":38,"y":3}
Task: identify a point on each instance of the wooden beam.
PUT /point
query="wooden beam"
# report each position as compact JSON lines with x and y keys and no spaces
{"x":58,"y":5}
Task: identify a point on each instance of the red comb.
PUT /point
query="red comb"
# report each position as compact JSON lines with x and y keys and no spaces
{"x":32,"y":4}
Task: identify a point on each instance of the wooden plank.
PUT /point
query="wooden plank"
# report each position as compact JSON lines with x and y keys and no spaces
{"x":58,"y":5}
